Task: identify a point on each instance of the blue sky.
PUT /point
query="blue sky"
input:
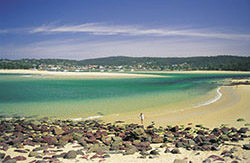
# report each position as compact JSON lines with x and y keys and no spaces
{"x":82,"y":29}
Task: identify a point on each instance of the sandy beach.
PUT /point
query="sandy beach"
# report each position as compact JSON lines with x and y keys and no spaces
{"x":81,"y":75}
{"x":127,"y":81}
{"x":233,"y":104}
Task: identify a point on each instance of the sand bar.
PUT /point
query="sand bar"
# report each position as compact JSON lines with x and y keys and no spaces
{"x":80,"y":74}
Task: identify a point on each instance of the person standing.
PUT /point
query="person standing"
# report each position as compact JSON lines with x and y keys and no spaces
{"x":142,"y":118}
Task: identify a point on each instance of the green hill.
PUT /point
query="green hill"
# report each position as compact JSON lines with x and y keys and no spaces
{"x":233,"y":63}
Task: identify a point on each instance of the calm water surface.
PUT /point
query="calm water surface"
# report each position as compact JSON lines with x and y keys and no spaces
{"x":34,"y":95}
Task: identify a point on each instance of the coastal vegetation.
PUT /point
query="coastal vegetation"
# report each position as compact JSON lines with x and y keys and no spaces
{"x":123,"y":63}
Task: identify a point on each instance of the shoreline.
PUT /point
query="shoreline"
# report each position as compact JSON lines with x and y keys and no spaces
{"x":228,"y":96}
{"x":234,"y":104}
{"x":177,"y":139}
{"x":232,"y":99}
{"x":213,"y":100}
{"x":197,"y":71}
{"x":96,"y":75}
{"x":82,"y":75}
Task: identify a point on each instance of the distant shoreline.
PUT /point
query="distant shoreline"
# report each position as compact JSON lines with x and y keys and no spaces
{"x":78,"y":74}
{"x":111,"y":74}
{"x":197,"y":71}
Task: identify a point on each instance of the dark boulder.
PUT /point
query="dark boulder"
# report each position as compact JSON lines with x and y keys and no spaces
{"x":198,"y":139}
{"x":39,"y":148}
{"x":225,"y":130}
{"x":167,"y":150}
{"x":216,"y":131}
{"x":142,"y":146}
{"x":175,"y":151}
{"x":226,"y":153}
{"x":144,"y":153}
{"x":2,"y":155}
{"x":246,"y":146}
{"x":20,"y":158}
{"x":57,"y":131}
{"x":200,"y":132}
{"x":216,"y":158}
{"x":106,"y":156}
{"x":66,"y":138}
{"x":20,"y":151}
{"x":131,"y":150}
{"x":174,"y":129}
{"x":35,"y":154}
{"x":207,"y":161}
{"x":154,"y":152}
{"x":70,"y":155}
{"x":215,"y":148}
{"x":243,"y":130}
{"x":157,"y":140}
{"x":180,"y":145}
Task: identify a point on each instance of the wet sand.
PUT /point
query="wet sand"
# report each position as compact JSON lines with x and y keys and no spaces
{"x":233,"y":104}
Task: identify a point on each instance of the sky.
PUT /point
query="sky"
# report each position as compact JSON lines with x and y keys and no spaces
{"x":83,"y":29}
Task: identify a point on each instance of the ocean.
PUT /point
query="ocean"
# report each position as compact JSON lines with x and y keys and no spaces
{"x":38,"y":96}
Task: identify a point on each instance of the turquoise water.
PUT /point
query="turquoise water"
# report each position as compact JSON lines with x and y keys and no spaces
{"x":33,"y":95}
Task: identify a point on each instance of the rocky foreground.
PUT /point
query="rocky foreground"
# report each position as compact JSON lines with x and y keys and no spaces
{"x":44,"y":140}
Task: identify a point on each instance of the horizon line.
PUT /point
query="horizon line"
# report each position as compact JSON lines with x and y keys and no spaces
{"x":129,"y":57}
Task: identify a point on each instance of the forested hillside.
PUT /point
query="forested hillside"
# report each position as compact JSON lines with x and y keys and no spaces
{"x":234,"y":63}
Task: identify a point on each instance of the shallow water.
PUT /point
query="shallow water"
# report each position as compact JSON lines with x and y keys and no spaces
{"x":34,"y":95}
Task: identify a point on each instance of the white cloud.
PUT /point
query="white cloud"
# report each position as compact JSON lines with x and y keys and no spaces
{"x":133,"y":30}
{"x":3,"y":31}
{"x":82,"y":49}
{"x":161,"y":42}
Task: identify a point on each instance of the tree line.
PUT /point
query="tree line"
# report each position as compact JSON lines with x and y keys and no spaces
{"x":232,"y":63}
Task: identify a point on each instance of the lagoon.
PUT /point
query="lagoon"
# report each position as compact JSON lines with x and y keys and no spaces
{"x":39,"y":96}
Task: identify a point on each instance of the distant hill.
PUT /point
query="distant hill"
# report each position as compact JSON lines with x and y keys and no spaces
{"x":233,"y":63}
